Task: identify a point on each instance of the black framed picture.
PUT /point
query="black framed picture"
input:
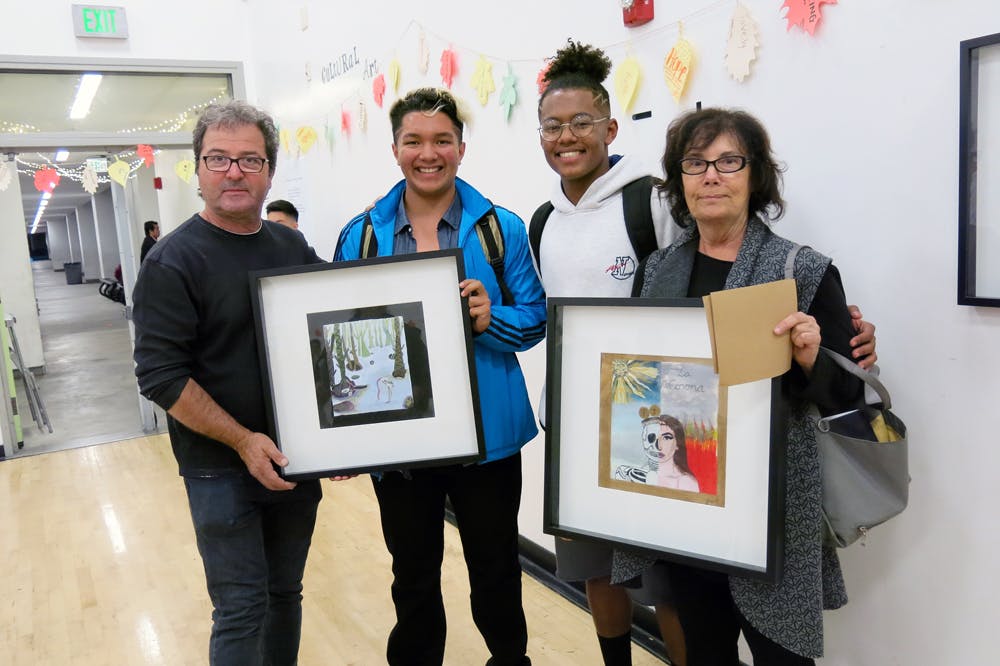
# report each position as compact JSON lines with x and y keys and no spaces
{"x":646,"y":450}
{"x":979,"y":171}
{"x":369,"y":364}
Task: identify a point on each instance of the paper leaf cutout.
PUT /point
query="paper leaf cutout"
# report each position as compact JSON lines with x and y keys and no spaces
{"x":806,"y":14}
{"x":330,"y":133}
{"x":394,"y":72}
{"x":482,"y":80}
{"x":146,"y":153}
{"x":741,"y":47}
{"x":284,"y":140}
{"x":46,"y":180}
{"x":449,"y":66}
{"x":185,"y":170}
{"x":119,"y":172}
{"x":362,"y":117}
{"x":677,"y":67}
{"x":345,"y":122}
{"x":378,"y":89}
{"x":540,"y":79}
{"x":89,"y":180}
{"x":305,"y":137}
{"x":508,"y":93}
{"x":627,"y":78}
{"x":5,"y":176}
{"x":423,"y":53}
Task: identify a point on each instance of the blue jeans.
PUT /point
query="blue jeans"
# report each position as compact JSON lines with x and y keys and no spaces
{"x":253,"y":544}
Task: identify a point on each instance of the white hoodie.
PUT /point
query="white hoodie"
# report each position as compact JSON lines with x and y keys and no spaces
{"x":585,"y":249}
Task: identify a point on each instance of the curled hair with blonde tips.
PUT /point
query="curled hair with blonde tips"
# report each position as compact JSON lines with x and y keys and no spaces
{"x":232,"y":114}
{"x":427,"y":101}
{"x":578,"y":67}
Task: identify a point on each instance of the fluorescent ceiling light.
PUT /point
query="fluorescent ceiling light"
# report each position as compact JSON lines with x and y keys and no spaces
{"x":89,"y":83}
{"x":62,"y":155}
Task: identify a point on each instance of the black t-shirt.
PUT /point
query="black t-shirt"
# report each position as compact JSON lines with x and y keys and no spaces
{"x":193,"y":319}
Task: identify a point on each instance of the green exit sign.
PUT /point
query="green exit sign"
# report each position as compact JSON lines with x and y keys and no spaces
{"x":100,"y":21}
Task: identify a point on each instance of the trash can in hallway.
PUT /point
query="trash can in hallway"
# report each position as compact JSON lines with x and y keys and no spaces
{"x":74,"y":272}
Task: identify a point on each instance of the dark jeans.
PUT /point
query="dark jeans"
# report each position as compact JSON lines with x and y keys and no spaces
{"x":253,"y":544}
{"x":485,"y":499}
{"x":712,"y":623}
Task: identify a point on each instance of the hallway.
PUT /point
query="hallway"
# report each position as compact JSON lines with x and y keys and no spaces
{"x":88,"y":387}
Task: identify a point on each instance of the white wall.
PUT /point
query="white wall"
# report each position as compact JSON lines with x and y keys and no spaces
{"x":108,"y":239}
{"x":88,"y":236}
{"x":865,"y":114}
{"x":59,"y":242}
{"x":178,"y":200}
{"x":16,"y":281}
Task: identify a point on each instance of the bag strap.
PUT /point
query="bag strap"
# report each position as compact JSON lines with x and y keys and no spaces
{"x":369,"y":244}
{"x":869,"y":378}
{"x":535,"y":228}
{"x":491,"y":239}
{"x":638,"y":217}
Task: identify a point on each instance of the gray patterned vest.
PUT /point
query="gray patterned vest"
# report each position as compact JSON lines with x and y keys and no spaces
{"x":789,"y":612}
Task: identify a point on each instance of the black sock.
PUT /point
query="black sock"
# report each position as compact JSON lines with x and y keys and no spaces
{"x":617,"y":651}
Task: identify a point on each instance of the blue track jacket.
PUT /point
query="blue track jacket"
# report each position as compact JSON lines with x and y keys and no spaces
{"x":508,"y":422}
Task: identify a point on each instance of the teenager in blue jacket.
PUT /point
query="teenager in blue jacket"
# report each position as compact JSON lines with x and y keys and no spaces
{"x":432,"y":209}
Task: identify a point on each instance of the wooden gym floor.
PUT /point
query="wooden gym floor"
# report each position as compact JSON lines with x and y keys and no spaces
{"x":98,"y":565}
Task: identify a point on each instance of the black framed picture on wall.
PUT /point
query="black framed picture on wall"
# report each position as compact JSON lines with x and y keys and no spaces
{"x":979,"y":172}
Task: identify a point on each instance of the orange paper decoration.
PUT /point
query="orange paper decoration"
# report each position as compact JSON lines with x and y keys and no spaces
{"x":378,"y":89}
{"x":806,"y":14}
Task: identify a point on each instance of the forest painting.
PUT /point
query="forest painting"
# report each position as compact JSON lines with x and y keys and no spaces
{"x":370,"y":364}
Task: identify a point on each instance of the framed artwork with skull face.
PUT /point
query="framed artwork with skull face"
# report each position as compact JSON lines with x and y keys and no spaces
{"x":647,"y":450}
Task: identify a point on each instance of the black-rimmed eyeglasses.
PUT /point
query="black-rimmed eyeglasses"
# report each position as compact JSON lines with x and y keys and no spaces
{"x":580,"y":127}
{"x":248,"y":164}
{"x":693,"y":166}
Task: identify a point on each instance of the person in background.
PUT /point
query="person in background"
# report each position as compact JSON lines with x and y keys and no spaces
{"x":721,"y":178}
{"x":152,"y":229}
{"x":283,"y":212}
{"x":585,"y":250}
{"x":196,"y":357}
{"x":432,"y":209}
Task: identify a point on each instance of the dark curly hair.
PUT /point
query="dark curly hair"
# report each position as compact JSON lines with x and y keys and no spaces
{"x":695,"y":130}
{"x":578,"y":67}
{"x":427,"y":101}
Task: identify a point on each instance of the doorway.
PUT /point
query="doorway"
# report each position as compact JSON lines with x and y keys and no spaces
{"x":75,"y":341}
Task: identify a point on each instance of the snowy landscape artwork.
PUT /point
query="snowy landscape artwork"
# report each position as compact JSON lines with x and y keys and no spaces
{"x":370,"y":364}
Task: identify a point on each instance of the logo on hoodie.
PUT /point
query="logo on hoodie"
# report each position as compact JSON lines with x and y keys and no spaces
{"x":622,"y":269}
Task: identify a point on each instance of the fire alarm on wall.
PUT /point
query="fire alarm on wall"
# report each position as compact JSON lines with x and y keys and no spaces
{"x":637,"y":12}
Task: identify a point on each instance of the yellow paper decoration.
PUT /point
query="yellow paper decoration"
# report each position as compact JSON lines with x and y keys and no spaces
{"x":305,"y":137}
{"x":119,"y":172}
{"x":627,"y":78}
{"x":394,"y":71}
{"x":284,"y":140}
{"x":482,"y":80}
{"x":185,"y":170}
{"x":677,"y":67}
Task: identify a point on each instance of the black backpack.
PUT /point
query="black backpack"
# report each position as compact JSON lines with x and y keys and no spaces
{"x":490,"y":237}
{"x":638,"y":220}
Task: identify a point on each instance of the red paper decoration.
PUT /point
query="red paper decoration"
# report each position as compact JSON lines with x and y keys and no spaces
{"x":146,"y":153}
{"x":449,"y":66}
{"x":46,"y":180}
{"x":378,"y":89}
{"x":805,"y":13}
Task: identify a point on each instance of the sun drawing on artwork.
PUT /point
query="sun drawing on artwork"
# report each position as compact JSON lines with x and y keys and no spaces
{"x":631,"y":380}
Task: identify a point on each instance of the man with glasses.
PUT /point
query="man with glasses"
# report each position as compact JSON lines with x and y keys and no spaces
{"x":196,"y":357}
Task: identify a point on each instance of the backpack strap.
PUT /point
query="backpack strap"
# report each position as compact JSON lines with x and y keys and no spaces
{"x":638,"y":217}
{"x":491,"y":239}
{"x":369,"y":244}
{"x":535,"y":228}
